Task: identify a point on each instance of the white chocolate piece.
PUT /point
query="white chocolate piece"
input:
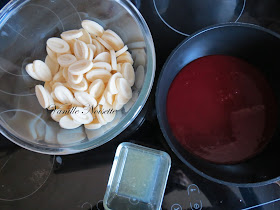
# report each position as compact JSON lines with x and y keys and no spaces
{"x":42,"y":70}
{"x":136,"y":45}
{"x":139,"y":77}
{"x":128,"y":73}
{"x":90,"y":54}
{"x":99,"y":47}
{"x":92,"y":47}
{"x":30,"y":71}
{"x":119,"y":67}
{"x":67,"y":122}
{"x":98,"y":114}
{"x":121,"y":51}
{"x":102,"y":65}
{"x":125,"y":58}
{"x":112,"y":83}
{"x":124,"y":88}
{"x":56,"y":84}
{"x":58,"y":77}
{"x":80,"y":67}
{"x":80,"y":50}
{"x":102,"y":57}
{"x":71,"y":34}
{"x":113,"y":60}
{"x":82,"y":86}
{"x":92,"y":27}
{"x":109,"y":97}
{"x":86,"y":38}
{"x":75,"y":79}
{"x":98,"y":74}
{"x":58,"y":45}
{"x":113,"y":40}
{"x":81,"y":115}
{"x":95,"y":124}
{"x":96,"y":88}
{"x":102,"y":100}
{"x":114,"y":34}
{"x":71,"y":45}
{"x":63,"y":95}
{"x":52,"y":54}
{"x":51,"y":101}
{"x":65,"y":73}
{"x":76,"y":103}
{"x":109,"y":113}
{"x":105,"y":44}
{"x":42,"y":96}
{"x":121,"y":99}
{"x":53,"y":65}
{"x":117,"y":105}
{"x":85,"y":99}
{"x":67,"y":52}
{"x":59,"y":112}
{"x":66,"y":60}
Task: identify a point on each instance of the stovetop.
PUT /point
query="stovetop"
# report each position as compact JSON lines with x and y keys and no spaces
{"x":34,"y":181}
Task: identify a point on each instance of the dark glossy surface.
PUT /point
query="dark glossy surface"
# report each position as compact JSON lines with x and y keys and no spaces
{"x":221,"y":109}
{"x":79,"y":181}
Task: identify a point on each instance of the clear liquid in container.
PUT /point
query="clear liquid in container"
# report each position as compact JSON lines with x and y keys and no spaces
{"x":138,"y":178}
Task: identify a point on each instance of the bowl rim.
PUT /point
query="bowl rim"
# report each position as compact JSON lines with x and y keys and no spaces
{"x":158,"y":104}
{"x":130,"y":115}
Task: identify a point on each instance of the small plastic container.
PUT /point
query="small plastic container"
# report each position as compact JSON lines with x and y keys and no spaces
{"x":138,"y":178}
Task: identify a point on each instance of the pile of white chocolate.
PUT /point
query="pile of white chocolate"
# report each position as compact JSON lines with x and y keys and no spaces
{"x":85,"y":70}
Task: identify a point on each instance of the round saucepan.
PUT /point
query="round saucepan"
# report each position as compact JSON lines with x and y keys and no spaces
{"x":258,"y":46}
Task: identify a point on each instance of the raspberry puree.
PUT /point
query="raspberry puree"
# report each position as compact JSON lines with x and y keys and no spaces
{"x":220,"y":108}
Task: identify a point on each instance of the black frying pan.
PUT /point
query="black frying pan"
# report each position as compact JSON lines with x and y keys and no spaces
{"x":258,"y":46}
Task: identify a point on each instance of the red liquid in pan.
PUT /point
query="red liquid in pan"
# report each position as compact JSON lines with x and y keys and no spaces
{"x":221,"y":109}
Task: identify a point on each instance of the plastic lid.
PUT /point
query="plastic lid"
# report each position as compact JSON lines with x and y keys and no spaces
{"x":138,"y":178}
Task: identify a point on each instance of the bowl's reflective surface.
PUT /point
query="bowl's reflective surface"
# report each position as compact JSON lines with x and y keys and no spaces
{"x":24,"y":29}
